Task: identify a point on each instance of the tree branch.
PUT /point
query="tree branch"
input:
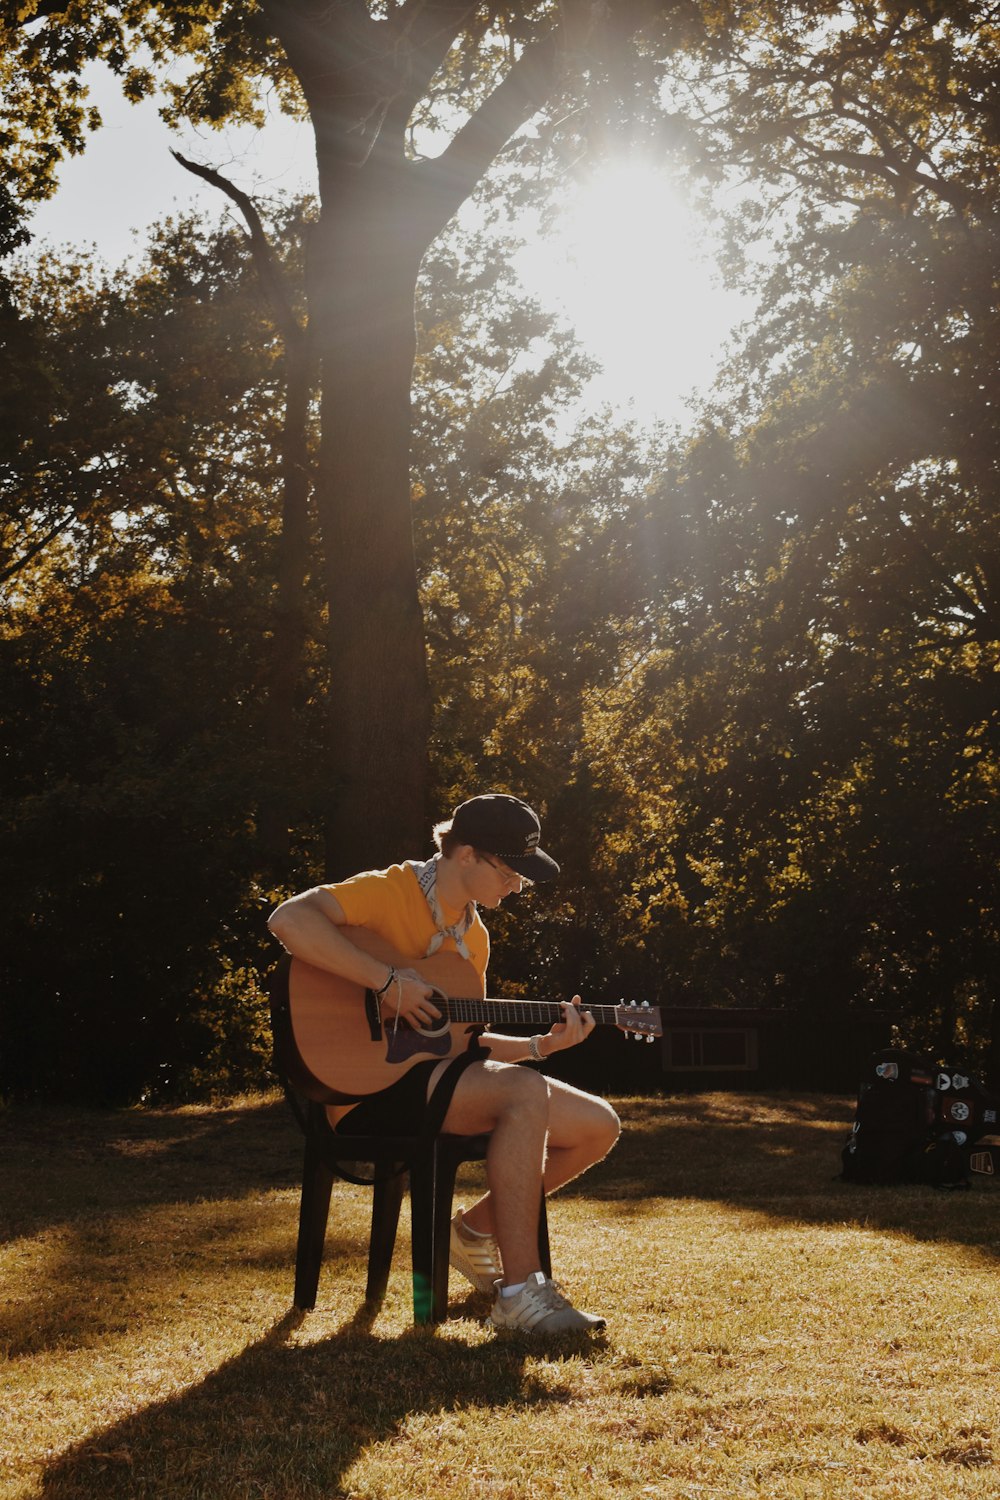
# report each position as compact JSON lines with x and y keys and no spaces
{"x":442,"y":185}
{"x":903,"y":176}
{"x":264,"y":258}
{"x":313,"y":36}
{"x":338,"y":54}
{"x":424,"y":31}
{"x":11,"y":569}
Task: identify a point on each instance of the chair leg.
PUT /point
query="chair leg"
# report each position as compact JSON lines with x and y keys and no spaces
{"x":424,"y":1190}
{"x":445,"y":1172}
{"x":386,"y":1201}
{"x":314,"y":1210}
{"x":432,"y":1189}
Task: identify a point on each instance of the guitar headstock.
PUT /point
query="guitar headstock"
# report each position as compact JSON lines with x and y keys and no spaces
{"x":638,"y":1020}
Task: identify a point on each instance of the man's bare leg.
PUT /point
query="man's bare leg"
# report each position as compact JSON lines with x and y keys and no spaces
{"x":540,"y":1130}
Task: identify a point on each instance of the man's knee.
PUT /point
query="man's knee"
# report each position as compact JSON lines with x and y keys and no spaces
{"x":494,"y":1092}
{"x":585,"y":1121}
{"x":523,"y":1088}
{"x":605,"y":1127}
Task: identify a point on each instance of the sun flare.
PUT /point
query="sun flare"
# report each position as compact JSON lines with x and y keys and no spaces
{"x":632,"y":270}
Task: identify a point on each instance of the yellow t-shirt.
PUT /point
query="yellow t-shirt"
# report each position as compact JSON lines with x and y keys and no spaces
{"x":391,"y":903}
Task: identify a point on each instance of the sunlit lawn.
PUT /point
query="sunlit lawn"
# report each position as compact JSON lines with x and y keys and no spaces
{"x":771,"y":1332}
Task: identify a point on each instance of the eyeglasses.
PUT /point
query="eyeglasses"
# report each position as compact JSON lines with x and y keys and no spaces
{"x":510,"y":876}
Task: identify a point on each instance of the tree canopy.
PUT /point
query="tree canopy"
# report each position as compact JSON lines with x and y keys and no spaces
{"x":379,"y":85}
{"x":262,"y":528}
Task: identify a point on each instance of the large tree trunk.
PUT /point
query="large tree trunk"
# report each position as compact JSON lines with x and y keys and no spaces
{"x":363,"y":283}
{"x":362,"y":79}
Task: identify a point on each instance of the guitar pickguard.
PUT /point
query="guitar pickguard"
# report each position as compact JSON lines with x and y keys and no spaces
{"x":402,"y":1043}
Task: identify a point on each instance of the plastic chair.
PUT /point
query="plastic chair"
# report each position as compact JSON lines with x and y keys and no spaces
{"x":428,"y":1165}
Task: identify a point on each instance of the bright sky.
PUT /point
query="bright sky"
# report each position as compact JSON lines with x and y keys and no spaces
{"x":625,"y":271}
{"x":630,"y":274}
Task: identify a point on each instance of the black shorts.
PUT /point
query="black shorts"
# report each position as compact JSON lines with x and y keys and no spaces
{"x":404,"y":1108}
{"x":401,"y":1109}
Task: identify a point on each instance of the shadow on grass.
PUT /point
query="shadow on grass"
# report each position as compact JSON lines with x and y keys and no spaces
{"x":184,"y":1190}
{"x":779,"y":1156}
{"x":283,"y":1420}
{"x":94,"y":1175}
{"x":55,"y":1164}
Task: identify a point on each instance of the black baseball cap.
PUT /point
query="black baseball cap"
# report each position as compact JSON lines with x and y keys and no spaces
{"x":508,"y":828}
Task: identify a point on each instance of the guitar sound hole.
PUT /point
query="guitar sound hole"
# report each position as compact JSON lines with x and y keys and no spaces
{"x":440,"y":1029}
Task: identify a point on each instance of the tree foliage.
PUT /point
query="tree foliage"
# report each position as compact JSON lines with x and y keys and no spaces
{"x":131,"y":657}
{"x":821,"y":699}
{"x":373,"y":82}
{"x":748,"y":671}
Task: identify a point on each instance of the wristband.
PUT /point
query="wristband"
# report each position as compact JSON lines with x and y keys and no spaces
{"x":379,"y":993}
{"x":533,"y":1049}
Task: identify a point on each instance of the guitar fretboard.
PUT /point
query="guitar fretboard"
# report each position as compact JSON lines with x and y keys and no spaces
{"x":516,"y":1012}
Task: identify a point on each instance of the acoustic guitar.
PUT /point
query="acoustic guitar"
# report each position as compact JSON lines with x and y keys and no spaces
{"x":353,"y":1051}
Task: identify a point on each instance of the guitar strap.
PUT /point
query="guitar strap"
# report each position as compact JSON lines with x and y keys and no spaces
{"x":433,"y":1119}
{"x":426,"y":873}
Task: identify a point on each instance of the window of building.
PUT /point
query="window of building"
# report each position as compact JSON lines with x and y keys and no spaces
{"x":726,"y":1049}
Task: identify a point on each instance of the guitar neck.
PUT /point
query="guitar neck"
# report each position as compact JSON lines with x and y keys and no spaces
{"x":515,"y":1012}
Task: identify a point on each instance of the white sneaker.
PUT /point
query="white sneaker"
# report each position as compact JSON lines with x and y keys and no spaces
{"x":540,"y":1307}
{"x":477,"y":1256}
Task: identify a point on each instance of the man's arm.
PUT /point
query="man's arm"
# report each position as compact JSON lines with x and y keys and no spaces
{"x":575,"y":1026}
{"x":308,"y":927}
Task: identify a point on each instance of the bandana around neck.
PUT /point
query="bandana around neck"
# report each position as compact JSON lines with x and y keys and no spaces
{"x":426,"y":874}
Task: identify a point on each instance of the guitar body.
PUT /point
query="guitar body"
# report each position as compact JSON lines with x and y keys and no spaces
{"x":333,"y":1028}
{"x":343,"y":1046}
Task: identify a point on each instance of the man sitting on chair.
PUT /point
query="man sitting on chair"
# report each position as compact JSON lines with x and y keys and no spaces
{"x":542,"y":1131}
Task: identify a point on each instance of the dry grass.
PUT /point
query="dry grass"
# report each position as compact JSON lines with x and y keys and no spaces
{"x":771,"y":1332}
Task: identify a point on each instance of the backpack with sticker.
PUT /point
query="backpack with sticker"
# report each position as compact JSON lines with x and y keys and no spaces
{"x":898,"y":1135}
{"x":919,"y":1122}
{"x":967,"y":1111}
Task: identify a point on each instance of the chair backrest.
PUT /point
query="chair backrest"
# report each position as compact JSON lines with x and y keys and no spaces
{"x":288,"y":1061}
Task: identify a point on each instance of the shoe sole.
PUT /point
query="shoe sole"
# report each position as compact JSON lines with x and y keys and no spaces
{"x":540,"y":1331}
